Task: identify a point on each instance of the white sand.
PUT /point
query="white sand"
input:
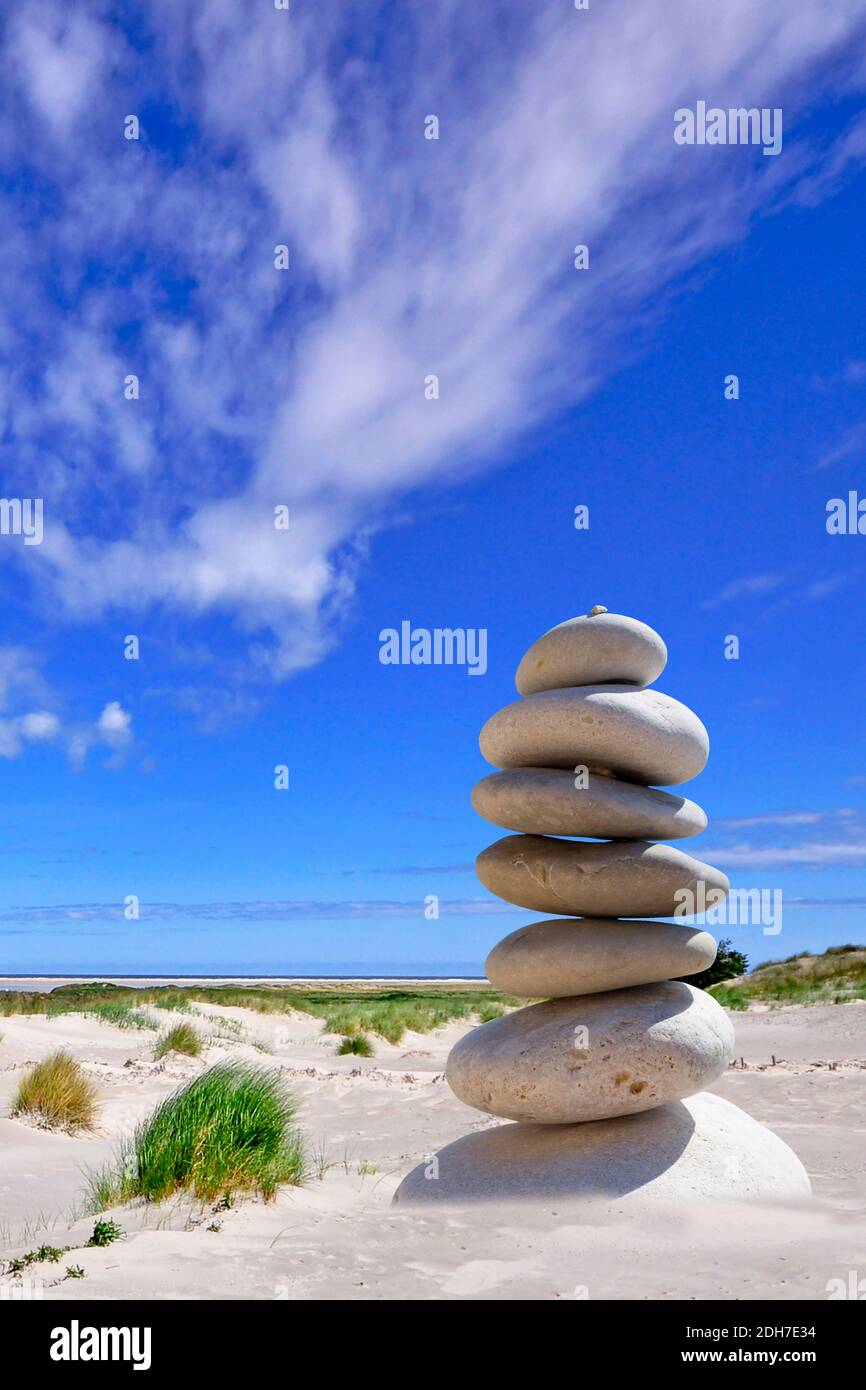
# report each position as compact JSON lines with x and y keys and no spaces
{"x":338,"y":1237}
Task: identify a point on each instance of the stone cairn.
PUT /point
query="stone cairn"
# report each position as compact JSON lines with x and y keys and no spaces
{"x":596,"y":1074}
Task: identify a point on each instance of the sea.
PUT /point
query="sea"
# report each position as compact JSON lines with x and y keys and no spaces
{"x":384,"y":972}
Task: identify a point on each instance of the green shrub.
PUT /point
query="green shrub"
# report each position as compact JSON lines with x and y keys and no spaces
{"x":105,"y":1233}
{"x":728,"y":965}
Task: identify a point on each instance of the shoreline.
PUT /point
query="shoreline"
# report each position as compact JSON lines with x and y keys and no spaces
{"x":40,"y":983}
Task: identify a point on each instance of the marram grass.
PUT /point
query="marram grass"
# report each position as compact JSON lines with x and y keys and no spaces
{"x":57,"y":1094}
{"x":357,"y":1043}
{"x":181,"y":1038}
{"x":231,"y":1129}
{"x":386,"y":1011}
{"x":122,"y":1015}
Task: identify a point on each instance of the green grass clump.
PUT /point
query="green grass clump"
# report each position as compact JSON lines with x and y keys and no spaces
{"x":57,"y":1094}
{"x":174,"y":1002}
{"x":122,"y":1015}
{"x":357,"y":1043}
{"x":181,"y":1038}
{"x":231,"y":1129}
{"x":488,"y":1012}
{"x":730,"y":996}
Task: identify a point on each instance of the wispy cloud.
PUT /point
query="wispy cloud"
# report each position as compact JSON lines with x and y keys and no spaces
{"x":414,"y":870}
{"x":749,"y":586}
{"x":849,"y":445}
{"x":783,"y":586}
{"x":847,"y":153}
{"x":858,"y":903}
{"x":814,"y":839}
{"x":294,"y":910}
{"x":782,"y":818}
{"x":815,"y":854}
{"x":215,"y":708}
{"x":823,"y":588}
{"x":261,"y":387}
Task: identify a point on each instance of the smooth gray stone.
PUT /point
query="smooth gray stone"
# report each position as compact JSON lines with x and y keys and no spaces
{"x":690,"y":1151}
{"x":614,"y":878}
{"x":640,"y":735}
{"x":594,"y":1056}
{"x":584,"y":955}
{"x":593,"y":650}
{"x":545,"y":801}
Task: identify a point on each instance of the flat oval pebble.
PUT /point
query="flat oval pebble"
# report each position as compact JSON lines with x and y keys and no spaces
{"x":546,"y":801}
{"x":593,"y":650}
{"x":595,"y":1056}
{"x":640,"y":735}
{"x":620,"y":878}
{"x":680,"y":1155}
{"x":585,"y":955}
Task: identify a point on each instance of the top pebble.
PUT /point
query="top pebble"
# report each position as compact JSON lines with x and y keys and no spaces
{"x":599,"y":649}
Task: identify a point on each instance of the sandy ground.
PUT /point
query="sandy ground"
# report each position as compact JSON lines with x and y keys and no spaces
{"x":803,"y":1073}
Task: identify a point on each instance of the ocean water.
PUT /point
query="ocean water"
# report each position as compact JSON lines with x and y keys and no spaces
{"x":325,"y":970}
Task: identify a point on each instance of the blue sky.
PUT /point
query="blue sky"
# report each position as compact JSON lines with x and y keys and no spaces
{"x":261,"y":387}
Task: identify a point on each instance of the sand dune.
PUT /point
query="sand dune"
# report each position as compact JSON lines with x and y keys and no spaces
{"x":373,"y":1119}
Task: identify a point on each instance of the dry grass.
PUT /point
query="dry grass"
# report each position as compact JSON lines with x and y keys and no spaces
{"x":57,"y":1094}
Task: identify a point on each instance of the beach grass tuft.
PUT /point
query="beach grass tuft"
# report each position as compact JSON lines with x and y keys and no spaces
{"x":181,"y":1038}
{"x":487,"y":1012}
{"x":230,"y":1130}
{"x":57,"y":1094}
{"x":356,"y":1043}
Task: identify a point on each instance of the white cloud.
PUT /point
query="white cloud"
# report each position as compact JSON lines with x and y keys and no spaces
{"x":781,"y":818}
{"x":20,"y":682}
{"x":59,"y":60}
{"x":114,"y":724}
{"x":830,"y":838}
{"x":750,"y":586}
{"x":278,"y":910}
{"x":112,"y":730}
{"x":39,"y":726}
{"x":818,"y":854}
{"x":408,"y":257}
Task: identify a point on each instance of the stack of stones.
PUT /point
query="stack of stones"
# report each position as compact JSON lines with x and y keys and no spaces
{"x":595,"y":1075}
